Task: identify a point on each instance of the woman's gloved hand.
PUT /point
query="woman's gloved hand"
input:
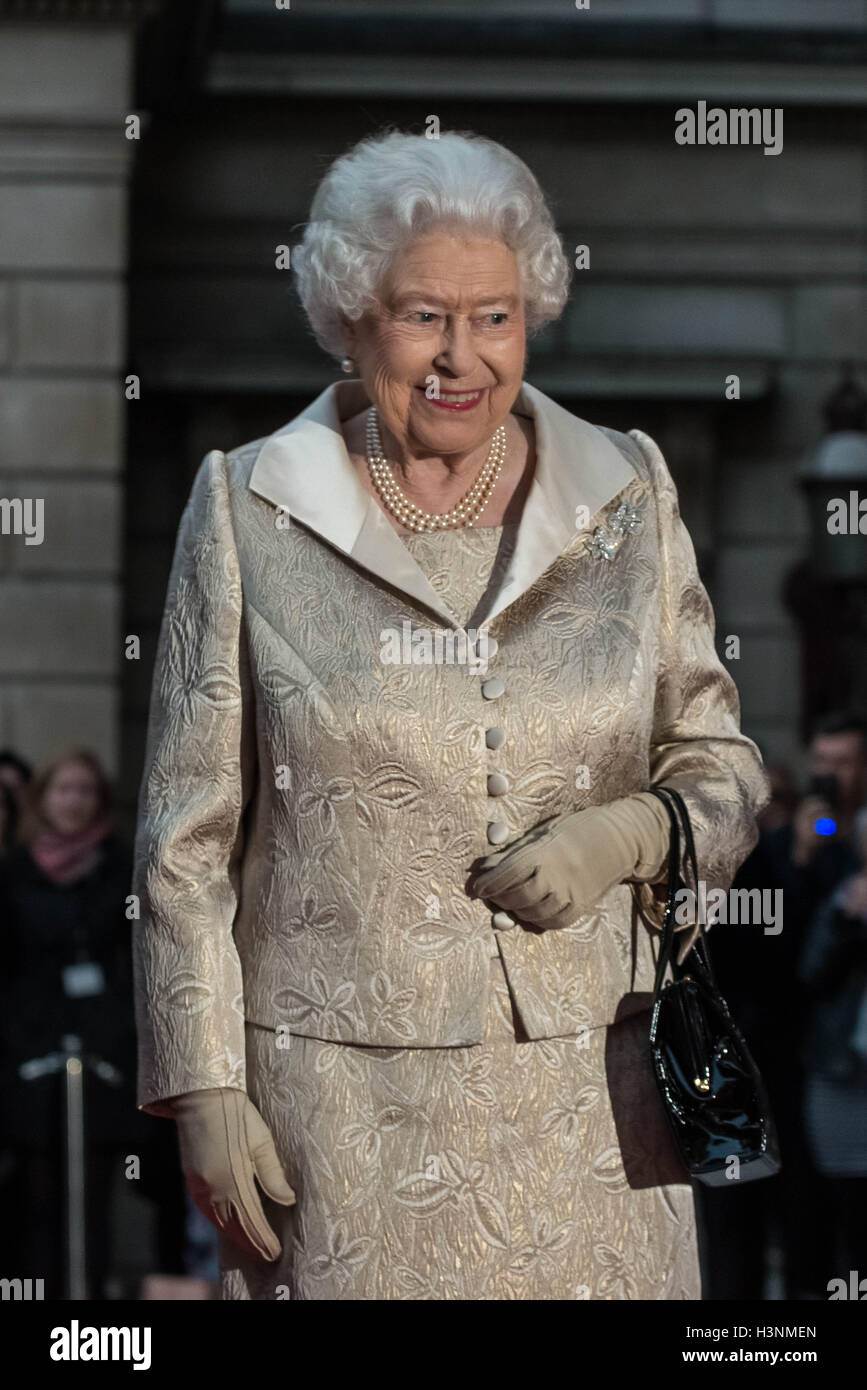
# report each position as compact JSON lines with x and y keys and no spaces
{"x":225,"y":1145}
{"x":560,"y":869}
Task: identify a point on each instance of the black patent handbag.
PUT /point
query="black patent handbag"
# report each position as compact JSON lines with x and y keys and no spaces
{"x":711,"y":1088}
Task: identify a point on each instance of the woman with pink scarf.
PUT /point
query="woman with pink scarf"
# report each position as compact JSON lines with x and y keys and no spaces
{"x":65,"y":942}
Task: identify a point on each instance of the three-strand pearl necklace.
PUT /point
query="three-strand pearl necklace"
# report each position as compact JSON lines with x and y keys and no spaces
{"x":464,"y":513}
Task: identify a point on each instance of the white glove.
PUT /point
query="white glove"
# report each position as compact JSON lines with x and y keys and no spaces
{"x":560,"y":869}
{"x":225,"y":1145}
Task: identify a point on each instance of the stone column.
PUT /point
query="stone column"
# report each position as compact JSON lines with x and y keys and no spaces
{"x":65,"y":91}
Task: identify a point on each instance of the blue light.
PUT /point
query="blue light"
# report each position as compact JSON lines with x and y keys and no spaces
{"x":825,"y":826}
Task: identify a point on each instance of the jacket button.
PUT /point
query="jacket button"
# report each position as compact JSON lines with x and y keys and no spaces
{"x":493,"y":689}
{"x":497,"y":784}
{"x":502,"y":921}
{"x":498,"y":832}
{"x":495,"y":737}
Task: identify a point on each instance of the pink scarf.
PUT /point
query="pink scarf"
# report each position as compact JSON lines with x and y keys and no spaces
{"x":64,"y":858}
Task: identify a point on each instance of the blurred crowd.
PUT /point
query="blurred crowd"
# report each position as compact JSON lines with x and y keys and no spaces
{"x":65,"y":881}
{"x":800,"y":997}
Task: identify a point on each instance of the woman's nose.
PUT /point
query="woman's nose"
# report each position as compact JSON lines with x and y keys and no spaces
{"x":457,"y":353}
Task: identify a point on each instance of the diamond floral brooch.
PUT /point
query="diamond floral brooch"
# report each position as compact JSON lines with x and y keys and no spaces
{"x":607,"y":539}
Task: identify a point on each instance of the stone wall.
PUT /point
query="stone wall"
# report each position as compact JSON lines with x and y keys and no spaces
{"x":704,"y":262}
{"x":64,"y":167}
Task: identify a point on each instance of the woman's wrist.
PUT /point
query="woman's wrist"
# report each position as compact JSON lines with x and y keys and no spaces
{"x":650,"y":835}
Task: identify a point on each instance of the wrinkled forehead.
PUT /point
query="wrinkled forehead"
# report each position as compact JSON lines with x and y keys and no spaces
{"x":464,"y":266}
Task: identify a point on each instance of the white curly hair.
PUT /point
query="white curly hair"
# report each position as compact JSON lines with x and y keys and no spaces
{"x":390,"y":189}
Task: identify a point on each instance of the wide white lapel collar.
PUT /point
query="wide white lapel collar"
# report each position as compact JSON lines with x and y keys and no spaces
{"x":577,"y":466}
{"x":305,"y":468}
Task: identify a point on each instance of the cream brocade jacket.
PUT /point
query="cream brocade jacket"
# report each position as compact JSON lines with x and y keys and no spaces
{"x":308,"y":815}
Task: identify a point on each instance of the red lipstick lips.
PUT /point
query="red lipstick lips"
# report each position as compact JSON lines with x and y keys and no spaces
{"x":455,"y":400}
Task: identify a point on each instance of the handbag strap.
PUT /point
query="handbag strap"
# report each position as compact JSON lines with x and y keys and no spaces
{"x":700,"y":945}
{"x":667,"y":943}
{"x":678,"y":816}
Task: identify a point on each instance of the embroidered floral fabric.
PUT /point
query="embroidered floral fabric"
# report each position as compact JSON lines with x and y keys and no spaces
{"x":308,"y":815}
{"x":510,"y":1170}
{"x":307,"y":820}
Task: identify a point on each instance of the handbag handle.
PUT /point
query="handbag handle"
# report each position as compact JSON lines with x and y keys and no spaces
{"x":678,"y":816}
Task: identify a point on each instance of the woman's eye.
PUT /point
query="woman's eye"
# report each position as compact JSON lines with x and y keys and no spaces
{"x":497,"y":319}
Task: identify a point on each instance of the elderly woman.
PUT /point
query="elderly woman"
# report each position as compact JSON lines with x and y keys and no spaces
{"x":425,"y":650}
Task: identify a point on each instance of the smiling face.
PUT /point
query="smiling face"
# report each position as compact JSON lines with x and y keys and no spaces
{"x":450,"y":307}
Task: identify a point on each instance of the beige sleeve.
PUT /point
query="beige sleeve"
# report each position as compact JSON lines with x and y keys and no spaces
{"x":199,"y":771}
{"x":698,"y":747}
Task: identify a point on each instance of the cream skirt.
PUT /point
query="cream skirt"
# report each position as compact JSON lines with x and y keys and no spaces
{"x":510,"y":1170}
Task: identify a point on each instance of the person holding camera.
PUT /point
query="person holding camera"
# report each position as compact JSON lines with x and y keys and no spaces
{"x":834,"y":976}
{"x":761,"y":976}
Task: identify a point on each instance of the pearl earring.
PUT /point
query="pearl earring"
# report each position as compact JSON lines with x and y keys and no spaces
{"x":347,"y":365}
